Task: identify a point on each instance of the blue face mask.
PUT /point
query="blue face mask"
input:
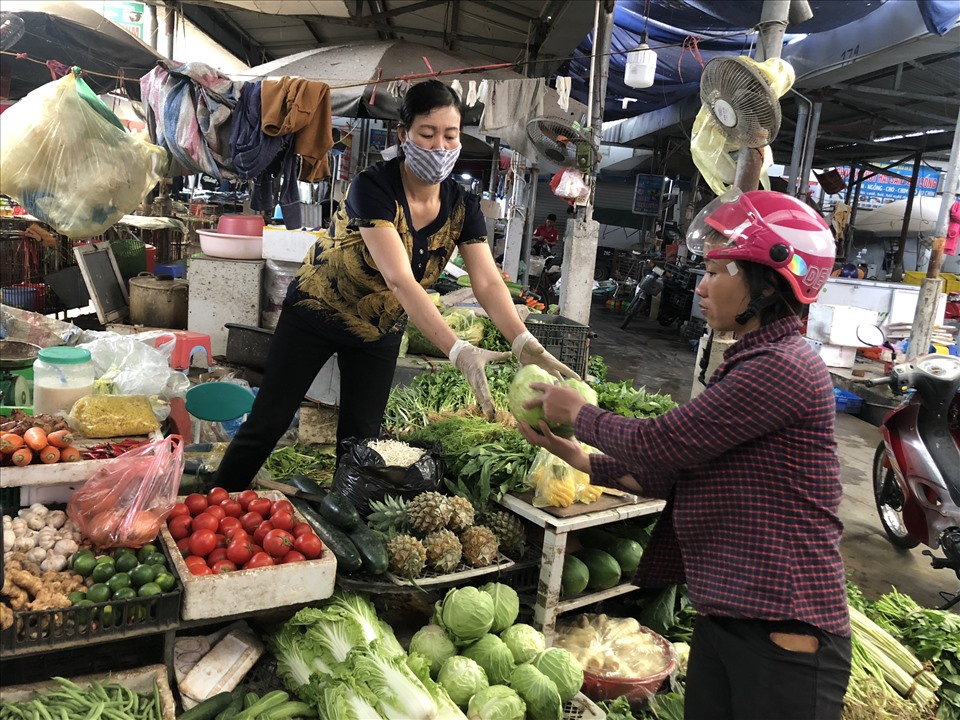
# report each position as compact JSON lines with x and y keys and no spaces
{"x":430,"y":166}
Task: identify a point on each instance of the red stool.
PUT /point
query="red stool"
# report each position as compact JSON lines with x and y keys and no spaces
{"x":188,"y":343}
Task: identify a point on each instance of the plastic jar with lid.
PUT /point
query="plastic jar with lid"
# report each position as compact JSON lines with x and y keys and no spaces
{"x":61,"y":376}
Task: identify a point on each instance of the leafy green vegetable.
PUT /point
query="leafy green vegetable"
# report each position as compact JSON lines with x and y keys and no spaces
{"x":497,"y":702}
{"x":560,"y":666}
{"x":464,"y":323}
{"x":623,"y":399}
{"x":506,"y":605}
{"x":538,"y":691}
{"x":361,"y":611}
{"x":524,"y":642}
{"x":344,"y":699}
{"x":300,"y":459}
{"x":493,"y":656}
{"x":617,"y":709}
{"x":466,"y":614}
{"x":597,"y":367}
{"x":432,"y":642}
{"x":493,"y":339}
{"x":399,"y":693}
{"x":462,"y":678}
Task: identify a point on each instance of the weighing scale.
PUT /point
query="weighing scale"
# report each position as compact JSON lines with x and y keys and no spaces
{"x":16,"y":373}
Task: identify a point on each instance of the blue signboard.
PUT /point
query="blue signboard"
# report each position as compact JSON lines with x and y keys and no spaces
{"x":648,"y":194}
{"x":884,"y":188}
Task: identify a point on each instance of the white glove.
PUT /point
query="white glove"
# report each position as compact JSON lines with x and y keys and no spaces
{"x":471,"y":361}
{"x":529,"y":351}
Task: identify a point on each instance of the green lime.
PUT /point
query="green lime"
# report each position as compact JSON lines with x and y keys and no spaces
{"x":156,"y":558}
{"x":80,"y":554}
{"x":84,"y":565}
{"x":159,"y":569}
{"x":83,"y":614}
{"x":118,"y":581}
{"x":106,"y":616}
{"x":124,"y":593}
{"x":150,"y":589}
{"x":146,"y":551}
{"x":142,"y":574}
{"x":166,"y":581}
{"x":103,"y":572}
{"x":76,"y":596}
{"x":106,"y":560}
{"x":127,"y":562}
{"x":123,"y":551}
{"x":99,"y":593}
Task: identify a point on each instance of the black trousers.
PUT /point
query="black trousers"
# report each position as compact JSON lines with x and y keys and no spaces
{"x":736,"y":672}
{"x":297,"y":353}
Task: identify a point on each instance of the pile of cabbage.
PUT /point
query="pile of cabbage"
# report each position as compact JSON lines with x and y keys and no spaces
{"x":490,"y":665}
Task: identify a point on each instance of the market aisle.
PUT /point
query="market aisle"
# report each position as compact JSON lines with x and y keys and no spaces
{"x":659,"y":358}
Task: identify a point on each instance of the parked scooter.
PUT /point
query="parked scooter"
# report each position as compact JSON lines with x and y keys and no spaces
{"x":648,"y":288}
{"x":916,"y":469}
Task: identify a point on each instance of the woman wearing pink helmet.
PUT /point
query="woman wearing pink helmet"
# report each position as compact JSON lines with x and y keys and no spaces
{"x":749,"y":470}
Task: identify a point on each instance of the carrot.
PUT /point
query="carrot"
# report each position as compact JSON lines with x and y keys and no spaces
{"x":10,"y":443}
{"x":69,"y":454}
{"x":35,"y":438}
{"x":60,"y":439}
{"x":49,"y":455}
{"x":22,"y":457}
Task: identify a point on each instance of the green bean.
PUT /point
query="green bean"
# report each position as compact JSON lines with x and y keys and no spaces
{"x":95,"y":712}
{"x":42,"y":711}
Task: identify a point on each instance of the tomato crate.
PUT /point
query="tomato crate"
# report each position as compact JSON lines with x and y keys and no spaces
{"x":253,"y":589}
{"x":41,"y":630}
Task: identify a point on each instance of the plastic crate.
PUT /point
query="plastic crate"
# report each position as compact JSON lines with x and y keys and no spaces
{"x":565,"y":339}
{"x":951,"y":281}
{"x":847,"y":402}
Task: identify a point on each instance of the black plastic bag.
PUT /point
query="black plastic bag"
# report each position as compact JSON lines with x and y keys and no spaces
{"x":362,"y":474}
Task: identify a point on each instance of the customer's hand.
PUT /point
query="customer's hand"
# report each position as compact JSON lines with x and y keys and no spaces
{"x":529,"y":351}
{"x":560,"y":404}
{"x":471,"y":361}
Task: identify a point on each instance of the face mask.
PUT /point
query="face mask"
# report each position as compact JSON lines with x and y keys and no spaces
{"x":430,"y":166}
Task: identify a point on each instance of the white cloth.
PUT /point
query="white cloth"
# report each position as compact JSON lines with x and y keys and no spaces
{"x":509,"y":106}
{"x":457,"y":88}
{"x":471,"y":93}
{"x":563,"y":93}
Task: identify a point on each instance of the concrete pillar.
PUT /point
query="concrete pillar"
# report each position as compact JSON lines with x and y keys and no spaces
{"x":515,"y":221}
{"x":579,"y":257}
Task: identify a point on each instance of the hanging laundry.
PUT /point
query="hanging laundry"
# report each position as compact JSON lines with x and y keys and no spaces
{"x":563,"y":93}
{"x":457,"y":88}
{"x":302,"y":108}
{"x":189,"y":107}
{"x":510,"y":104}
{"x":471,"y":93}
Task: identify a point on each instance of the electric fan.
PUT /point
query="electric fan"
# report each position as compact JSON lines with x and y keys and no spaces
{"x":741,"y":101}
{"x":559,"y":141}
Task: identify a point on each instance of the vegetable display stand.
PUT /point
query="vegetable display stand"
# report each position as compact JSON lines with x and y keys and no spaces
{"x":555,"y":531}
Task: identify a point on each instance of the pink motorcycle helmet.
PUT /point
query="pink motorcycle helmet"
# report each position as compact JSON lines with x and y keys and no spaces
{"x":768,"y":228}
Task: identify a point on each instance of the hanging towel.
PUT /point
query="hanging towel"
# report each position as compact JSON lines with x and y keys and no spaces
{"x":302,"y":108}
{"x":457,"y":88}
{"x":563,"y":93}
{"x":471,"y":93}
{"x":510,"y":105}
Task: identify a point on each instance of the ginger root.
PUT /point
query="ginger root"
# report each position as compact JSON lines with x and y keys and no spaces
{"x":6,"y":617}
{"x":31,"y":583}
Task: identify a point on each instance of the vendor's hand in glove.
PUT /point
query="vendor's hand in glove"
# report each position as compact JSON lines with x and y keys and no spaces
{"x":529,"y":351}
{"x":471,"y":361}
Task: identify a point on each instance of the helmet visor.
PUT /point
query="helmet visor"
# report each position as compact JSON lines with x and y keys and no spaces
{"x":705,"y":233}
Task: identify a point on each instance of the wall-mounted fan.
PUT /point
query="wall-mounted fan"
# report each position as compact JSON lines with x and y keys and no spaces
{"x":741,"y":100}
{"x":562,"y":142}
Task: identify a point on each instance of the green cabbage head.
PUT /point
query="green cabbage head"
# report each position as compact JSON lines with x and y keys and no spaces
{"x":494,"y":657}
{"x":520,"y":392}
{"x":562,"y":667}
{"x":538,"y":691}
{"x":432,"y":642}
{"x":497,"y":702}
{"x":466,"y":614}
{"x":524,"y":641}
{"x":462,"y":678}
{"x":506,"y":605}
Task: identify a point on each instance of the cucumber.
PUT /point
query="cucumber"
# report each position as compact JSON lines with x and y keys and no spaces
{"x":348,"y":558}
{"x":209,"y":708}
{"x":372,"y":549}
{"x":341,"y":511}
{"x":603,"y":568}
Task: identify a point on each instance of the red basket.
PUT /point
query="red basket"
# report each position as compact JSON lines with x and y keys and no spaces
{"x":638,"y":690}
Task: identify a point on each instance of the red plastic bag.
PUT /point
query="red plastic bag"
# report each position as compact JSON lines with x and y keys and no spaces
{"x":125,"y":503}
{"x":569,"y":185}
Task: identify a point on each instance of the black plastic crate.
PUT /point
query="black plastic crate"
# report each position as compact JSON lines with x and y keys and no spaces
{"x":565,"y":339}
{"x":53,"y":628}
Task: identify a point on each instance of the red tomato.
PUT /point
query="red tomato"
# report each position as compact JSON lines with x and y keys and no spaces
{"x":217,"y":495}
{"x":203,"y":542}
{"x":191,"y":560}
{"x":231,"y":533}
{"x":222,"y":540}
{"x":179,"y":509}
{"x":278,"y":505}
{"x":292,"y":556}
{"x":222,"y":566}
{"x":183,"y":545}
{"x":261,"y":532}
{"x":309,"y":545}
{"x":278,"y":542}
{"x":218,"y":512}
{"x":282,"y":519}
{"x":260,"y":505}
{"x":196,"y":503}
{"x":257,"y":549}
{"x":245,"y":498}
{"x":232,"y":508}
{"x":261,"y":559}
{"x":228,"y":523}
{"x":205,"y":521}
{"x":200,"y":570}
{"x":181,"y":526}
{"x":251,"y":521}
{"x":301,"y":528}
{"x":216,"y":556}
{"x":240,"y":552}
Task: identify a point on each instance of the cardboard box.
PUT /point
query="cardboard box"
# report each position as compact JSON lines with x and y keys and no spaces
{"x":289,"y":245}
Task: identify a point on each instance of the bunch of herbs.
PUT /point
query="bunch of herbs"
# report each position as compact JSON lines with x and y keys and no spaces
{"x":623,"y":399}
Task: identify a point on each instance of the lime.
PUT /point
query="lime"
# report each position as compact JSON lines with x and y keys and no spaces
{"x":159,"y":569}
{"x":103,"y":572}
{"x":118,"y":581}
{"x":149,"y":589}
{"x":106,"y":560}
{"x":142,"y":574}
{"x":76,"y":596}
{"x":84,"y":565}
{"x":127,"y":562}
{"x":124,"y":593}
{"x":83,"y":614}
{"x":80,"y":554}
{"x":107,"y":615}
{"x":156,"y":558}
{"x":99,"y":593}
{"x":146,"y":551}
{"x":123,"y":551}
{"x":166,"y":581}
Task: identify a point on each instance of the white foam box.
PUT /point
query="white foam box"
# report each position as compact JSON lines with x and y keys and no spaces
{"x":841,"y":356}
{"x":289,"y":245}
{"x":837,"y":324}
{"x":222,"y":291}
{"x":221,"y":668}
{"x":263,"y":588}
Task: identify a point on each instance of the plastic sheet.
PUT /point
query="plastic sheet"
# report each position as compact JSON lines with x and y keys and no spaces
{"x":68,"y":160}
{"x":31,"y":327}
{"x":131,"y":365}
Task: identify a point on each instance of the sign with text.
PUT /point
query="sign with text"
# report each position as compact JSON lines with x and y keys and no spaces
{"x":648,"y":194}
{"x":128,"y":15}
{"x":884,"y":188}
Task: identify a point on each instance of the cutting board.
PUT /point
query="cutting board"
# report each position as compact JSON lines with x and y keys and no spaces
{"x":604,"y":502}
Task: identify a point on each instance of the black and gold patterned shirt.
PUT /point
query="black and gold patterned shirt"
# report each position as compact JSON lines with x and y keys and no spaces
{"x":339,"y":286}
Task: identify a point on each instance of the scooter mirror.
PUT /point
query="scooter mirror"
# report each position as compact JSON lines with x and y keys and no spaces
{"x":871,"y":335}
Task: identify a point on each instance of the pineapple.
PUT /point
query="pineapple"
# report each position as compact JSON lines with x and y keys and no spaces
{"x":428,"y":512}
{"x":462,"y":515}
{"x":388,"y":516}
{"x":407,"y":556}
{"x":479,"y":546}
{"x":443,"y":551}
{"x":509,"y":531}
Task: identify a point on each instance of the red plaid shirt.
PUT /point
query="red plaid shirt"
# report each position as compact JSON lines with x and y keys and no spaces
{"x":750,"y":473}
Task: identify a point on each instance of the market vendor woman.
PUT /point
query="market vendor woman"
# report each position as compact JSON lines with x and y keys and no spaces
{"x":396,"y":229}
{"x":750,"y":473}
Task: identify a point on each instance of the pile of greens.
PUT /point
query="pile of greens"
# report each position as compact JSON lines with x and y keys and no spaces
{"x":300,"y":459}
{"x":623,"y":399}
{"x":464,"y":323}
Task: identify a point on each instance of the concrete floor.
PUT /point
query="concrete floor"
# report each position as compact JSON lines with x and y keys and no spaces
{"x":660,"y":359}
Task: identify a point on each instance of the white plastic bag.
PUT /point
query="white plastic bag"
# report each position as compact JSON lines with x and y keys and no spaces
{"x":131,"y":365}
{"x":67,"y":159}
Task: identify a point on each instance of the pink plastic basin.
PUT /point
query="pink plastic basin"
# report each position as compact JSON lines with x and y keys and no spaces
{"x":234,"y":247}
{"x":247,"y":225}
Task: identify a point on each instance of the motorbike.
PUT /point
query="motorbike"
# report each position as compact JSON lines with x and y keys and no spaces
{"x":648,"y":288}
{"x":916,"y":468}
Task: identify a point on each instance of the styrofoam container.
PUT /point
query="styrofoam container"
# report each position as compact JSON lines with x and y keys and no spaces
{"x":264,"y":588}
{"x":232,"y":247}
{"x":289,"y":245}
{"x":837,"y":324}
{"x":840,"y":356}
